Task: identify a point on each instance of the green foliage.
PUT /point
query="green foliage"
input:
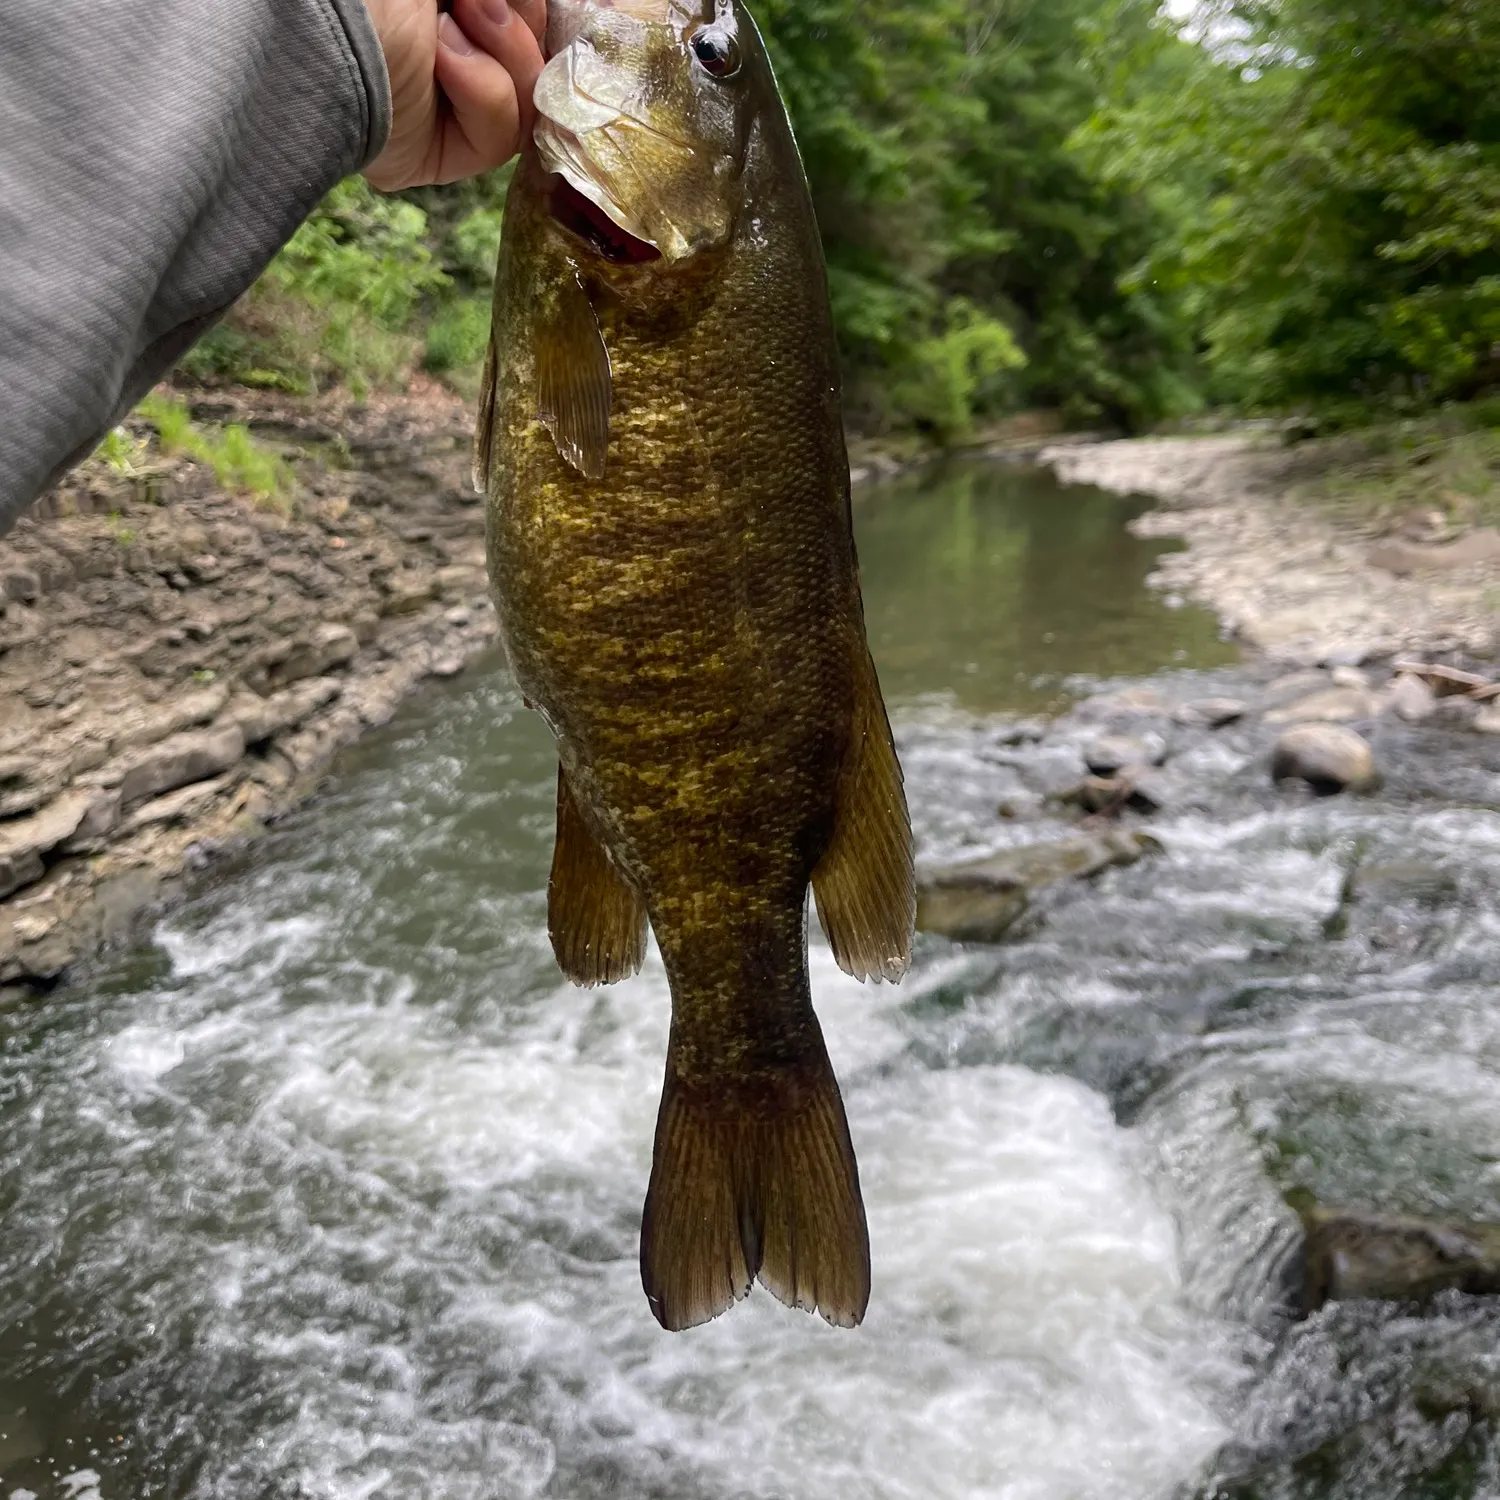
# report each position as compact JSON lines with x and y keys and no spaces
{"x":1338,"y":169}
{"x":1073,"y":204}
{"x":240,"y":464}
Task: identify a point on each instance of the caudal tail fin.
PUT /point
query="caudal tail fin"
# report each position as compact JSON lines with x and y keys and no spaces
{"x":755,"y":1180}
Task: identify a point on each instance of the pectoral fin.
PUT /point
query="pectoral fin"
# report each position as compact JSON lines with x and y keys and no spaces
{"x":595,"y":919}
{"x":484,"y":428}
{"x":865,"y":884}
{"x":573,"y":380}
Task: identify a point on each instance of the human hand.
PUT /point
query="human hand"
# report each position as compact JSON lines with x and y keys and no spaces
{"x":460,"y":86}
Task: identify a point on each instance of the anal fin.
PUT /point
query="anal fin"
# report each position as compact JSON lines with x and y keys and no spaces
{"x":762,"y":1186}
{"x":595,"y":918}
{"x":865,"y":884}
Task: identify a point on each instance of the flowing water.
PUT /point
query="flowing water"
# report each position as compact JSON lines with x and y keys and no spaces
{"x":331,"y":1189}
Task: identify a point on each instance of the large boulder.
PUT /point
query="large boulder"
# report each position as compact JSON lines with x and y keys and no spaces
{"x":981,"y":900}
{"x":1328,"y":757}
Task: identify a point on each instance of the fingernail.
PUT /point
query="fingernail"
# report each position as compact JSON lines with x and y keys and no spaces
{"x":451,"y":36}
{"x":497,"y":11}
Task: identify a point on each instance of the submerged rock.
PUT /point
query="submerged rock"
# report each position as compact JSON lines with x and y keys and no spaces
{"x":1112,"y":753}
{"x":1328,"y":757}
{"x":1210,"y":713}
{"x":1350,"y":1253}
{"x":1410,"y":698}
{"x":979,"y":902}
{"x":1336,"y":705}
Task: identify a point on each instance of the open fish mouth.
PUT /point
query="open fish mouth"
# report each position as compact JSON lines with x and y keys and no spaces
{"x":593,"y":224}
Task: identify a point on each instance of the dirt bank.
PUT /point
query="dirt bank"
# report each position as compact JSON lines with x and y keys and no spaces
{"x":1302,"y":583}
{"x":178,"y":664}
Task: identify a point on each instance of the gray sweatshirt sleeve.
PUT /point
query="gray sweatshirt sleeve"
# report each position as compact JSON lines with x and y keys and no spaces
{"x":154,"y":155}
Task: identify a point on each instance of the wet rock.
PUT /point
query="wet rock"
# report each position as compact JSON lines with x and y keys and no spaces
{"x":1328,"y":757}
{"x":1210,"y":713}
{"x":1410,"y":698}
{"x":980,"y":901}
{"x":1337,"y":705}
{"x":1394,"y":904}
{"x":179,"y":760}
{"x":1487,"y":720}
{"x":1351,"y":1253}
{"x":1112,"y":753}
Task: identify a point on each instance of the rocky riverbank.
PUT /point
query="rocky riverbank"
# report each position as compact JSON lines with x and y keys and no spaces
{"x":1304,"y":584}
{"x":179,"y":663}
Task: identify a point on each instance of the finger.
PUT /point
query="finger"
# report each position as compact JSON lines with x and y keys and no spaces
{"x":500,"y":30}
{"x":534,"y":13}
{"x":482,"y":126}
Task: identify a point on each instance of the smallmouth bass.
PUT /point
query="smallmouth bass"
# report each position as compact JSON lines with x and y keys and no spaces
{"x":671,"y":554}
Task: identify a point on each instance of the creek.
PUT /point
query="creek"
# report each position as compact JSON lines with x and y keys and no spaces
{"x":330,"y":1186}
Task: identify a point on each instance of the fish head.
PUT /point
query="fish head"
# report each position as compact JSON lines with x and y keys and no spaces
{"x":644,"y":112}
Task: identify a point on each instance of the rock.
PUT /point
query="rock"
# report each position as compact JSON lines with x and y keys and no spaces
{"x":20,"y":584}
{"x":24,"y":841}
{"x":183,"y":713}
{"x":1328,"y":757}
{"x":1111,"y":753}
{"x":1331,"y":706}
{"x":97,"y":822}
{"x":176,"y":806}
{"x":1352,"y":1253}
{"x":21,"y":867}
{"x":1487,"y":720}
{"x":330,"y":645}
{"x":1393,"y":905}
{"x":32,"y":929}
{"x":87,"y":755}
{"x":1294,"y":685}
{"x":1404,"y":558}
{"x":260,"y":718}
{"x":978,"y":902}
{"x":179,"y":760}
{"x":1410,"y":698}
{"x":1346,"y":676}
{"x":1210,"y":713}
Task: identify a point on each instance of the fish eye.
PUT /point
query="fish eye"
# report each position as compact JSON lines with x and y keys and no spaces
{"x":717,"y":52}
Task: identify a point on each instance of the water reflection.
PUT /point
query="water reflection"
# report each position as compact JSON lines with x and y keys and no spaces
{"x":995,"y":584}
